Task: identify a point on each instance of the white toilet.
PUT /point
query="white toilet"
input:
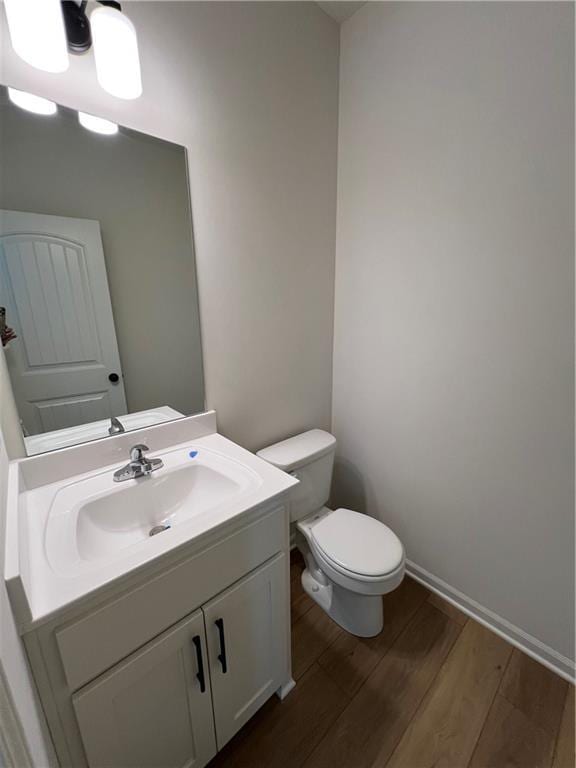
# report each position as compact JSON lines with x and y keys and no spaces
{"x":351,"y":559}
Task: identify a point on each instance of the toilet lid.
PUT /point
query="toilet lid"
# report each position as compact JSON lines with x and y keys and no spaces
{"x":358,"y":543}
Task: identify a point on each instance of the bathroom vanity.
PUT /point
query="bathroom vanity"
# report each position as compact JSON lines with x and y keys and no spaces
{"x":154,"y":609}
{"x":151,"y":650}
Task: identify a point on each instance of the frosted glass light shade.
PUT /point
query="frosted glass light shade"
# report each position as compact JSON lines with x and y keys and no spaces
{"x":97,"y":124}
{"x":116,"y":53}
{"x":37,"y":33}
{"x":32,"y":103}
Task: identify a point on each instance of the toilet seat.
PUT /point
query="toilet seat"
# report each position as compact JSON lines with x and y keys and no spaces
{"x":357,"y":545}
{"x":338,"y":538}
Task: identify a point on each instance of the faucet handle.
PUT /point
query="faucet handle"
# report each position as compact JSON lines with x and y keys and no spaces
{"x":137,"y":450}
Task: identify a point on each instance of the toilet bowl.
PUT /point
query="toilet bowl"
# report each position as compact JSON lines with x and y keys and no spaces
{"x":351,"y":559}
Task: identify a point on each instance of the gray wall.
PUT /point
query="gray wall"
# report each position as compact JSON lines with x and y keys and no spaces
{"x":137,"y":188}
{"x":251,"y":89}
{"x":453,"y":370}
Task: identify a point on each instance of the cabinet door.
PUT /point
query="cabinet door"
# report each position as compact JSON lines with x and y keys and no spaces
{"x":153,"y":710}
{"x":247,"y":634}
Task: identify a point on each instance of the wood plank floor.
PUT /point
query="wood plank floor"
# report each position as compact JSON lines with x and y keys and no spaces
{"x":434,"y":690}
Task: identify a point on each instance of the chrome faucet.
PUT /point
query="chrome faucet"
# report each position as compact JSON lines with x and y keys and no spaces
{"x":138,"y":466}
{"x":115,"y":427}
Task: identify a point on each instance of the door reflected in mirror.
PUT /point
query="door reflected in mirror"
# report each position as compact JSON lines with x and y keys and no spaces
{"x":99,"y":314}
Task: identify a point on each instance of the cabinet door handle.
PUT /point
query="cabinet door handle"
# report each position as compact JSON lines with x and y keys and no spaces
{"x":222,"y":655}
{"x":200,"y":674}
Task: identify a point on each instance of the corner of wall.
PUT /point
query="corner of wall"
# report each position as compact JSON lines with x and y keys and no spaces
{"x":9,"y":420}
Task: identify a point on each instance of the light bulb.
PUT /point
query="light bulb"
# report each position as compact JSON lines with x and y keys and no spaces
{"x":97,"y":124}
{"x":32,"y":103}
{"x":116,"y":53}
{"x":37,"y":33}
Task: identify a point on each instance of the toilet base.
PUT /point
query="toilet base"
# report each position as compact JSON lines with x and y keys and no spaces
{"x":361,"y":615}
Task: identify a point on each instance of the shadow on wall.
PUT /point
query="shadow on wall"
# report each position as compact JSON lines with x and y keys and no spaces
{"x":348,"y":487}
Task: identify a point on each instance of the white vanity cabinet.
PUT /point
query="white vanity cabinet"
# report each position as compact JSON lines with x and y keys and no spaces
{"x":150,"y":710}
{"x":159,"y":707}
{"x":163,"y":674}
{"x":247,"y":638}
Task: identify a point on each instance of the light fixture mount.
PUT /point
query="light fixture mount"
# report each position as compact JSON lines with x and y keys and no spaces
{"x":77,"y":24}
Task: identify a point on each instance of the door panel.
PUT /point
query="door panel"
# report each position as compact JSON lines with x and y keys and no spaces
{"x":49,"y":283}
{"x":70,"y":411}
{"x":53,"y":284}
{"x":150,"y":710}
{"x":247,"y":637}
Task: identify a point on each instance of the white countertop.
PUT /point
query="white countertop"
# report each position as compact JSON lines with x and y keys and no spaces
{"x":38,"y":589}
{"x":96,"y":430}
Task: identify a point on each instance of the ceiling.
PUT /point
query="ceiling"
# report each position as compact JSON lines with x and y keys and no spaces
{"x":340,"y":11}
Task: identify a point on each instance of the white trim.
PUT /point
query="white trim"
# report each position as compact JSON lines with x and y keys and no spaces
{"x":285,"y":689}
{"x":531,"y":646}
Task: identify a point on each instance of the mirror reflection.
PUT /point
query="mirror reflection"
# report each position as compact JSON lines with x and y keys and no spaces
{"x":98,"y":298}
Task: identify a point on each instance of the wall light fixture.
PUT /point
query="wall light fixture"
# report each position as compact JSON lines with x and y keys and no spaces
{"x":43,"y":32}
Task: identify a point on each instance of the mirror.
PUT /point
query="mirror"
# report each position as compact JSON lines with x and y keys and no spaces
{"x":98,"y":297}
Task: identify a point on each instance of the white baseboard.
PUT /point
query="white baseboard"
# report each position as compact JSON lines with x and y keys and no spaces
{"x":285,"y":689}
{"x":527,"y":643}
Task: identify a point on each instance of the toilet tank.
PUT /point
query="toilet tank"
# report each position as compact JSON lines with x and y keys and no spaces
{"x":310,"y":458}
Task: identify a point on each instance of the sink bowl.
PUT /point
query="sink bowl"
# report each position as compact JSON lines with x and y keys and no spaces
{"x":95,"y":520}
{"x":118,"y":520}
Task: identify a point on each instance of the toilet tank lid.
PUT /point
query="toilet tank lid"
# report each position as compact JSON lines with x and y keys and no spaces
{"x":298,"y":450}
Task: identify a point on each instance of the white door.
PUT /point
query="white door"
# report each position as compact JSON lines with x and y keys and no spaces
{"x":247,"y":636}
{"x":153,"y":710}
{"x":64,"y":365}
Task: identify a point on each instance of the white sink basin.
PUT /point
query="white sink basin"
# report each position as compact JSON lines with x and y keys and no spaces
{"x":93,"y":521}
{"x":124,"y":517}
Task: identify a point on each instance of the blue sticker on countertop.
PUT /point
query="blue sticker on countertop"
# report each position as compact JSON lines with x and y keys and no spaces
{"x":193,"y":454}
